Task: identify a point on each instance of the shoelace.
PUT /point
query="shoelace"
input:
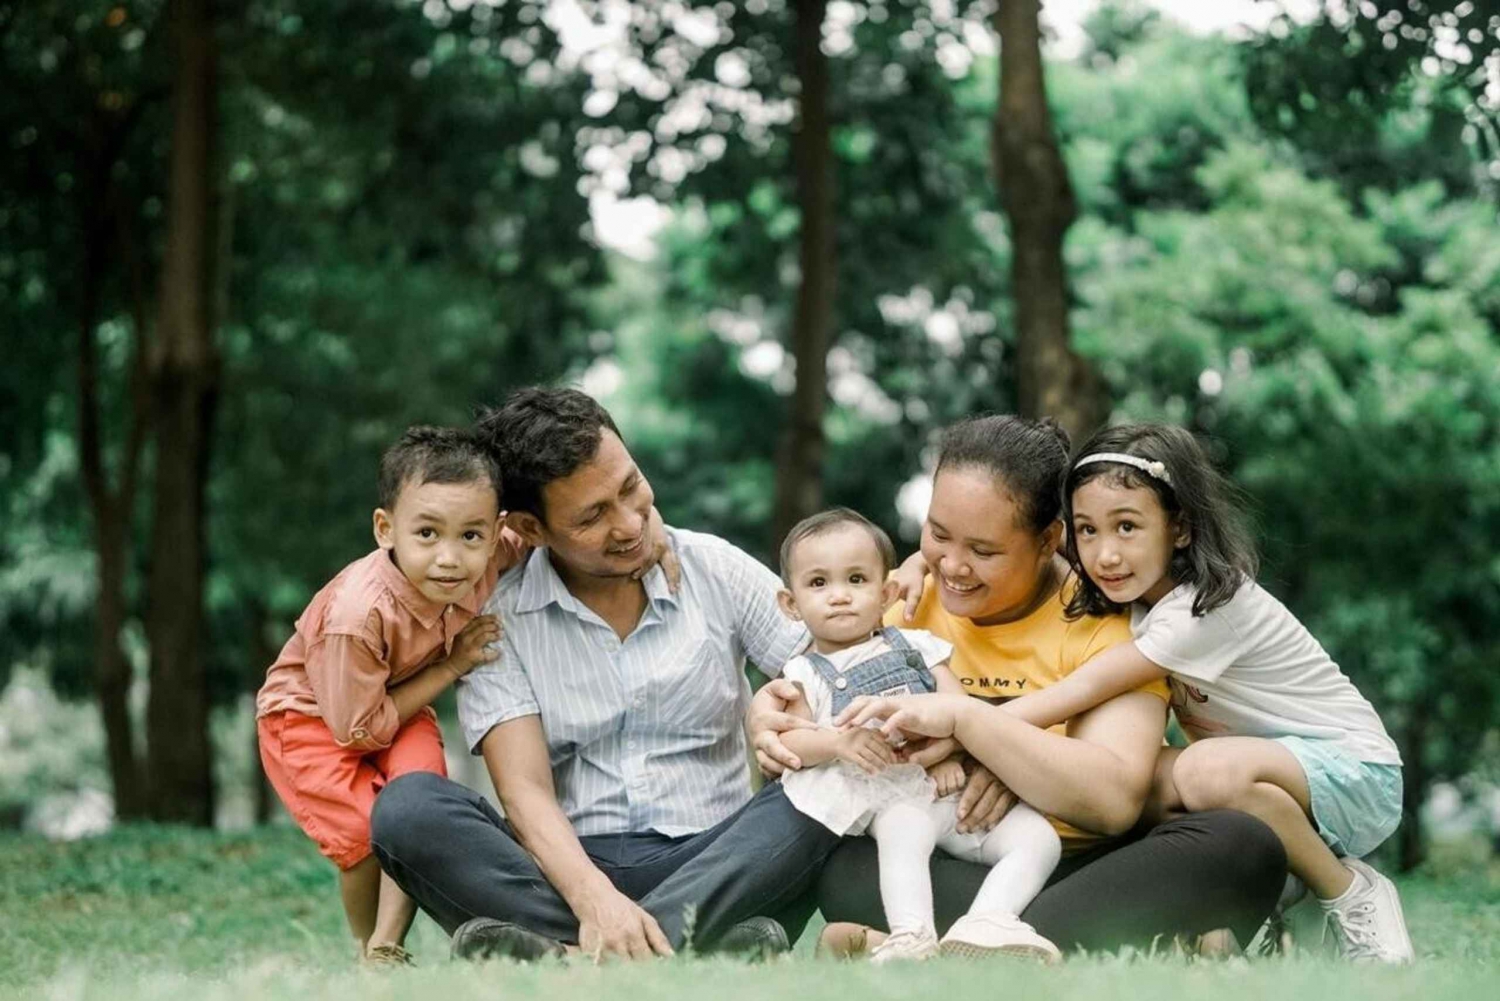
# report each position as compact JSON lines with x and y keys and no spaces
{"x":1357,"y":928}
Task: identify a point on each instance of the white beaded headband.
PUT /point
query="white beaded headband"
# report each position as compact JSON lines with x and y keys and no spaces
{"x":1151,"y":467}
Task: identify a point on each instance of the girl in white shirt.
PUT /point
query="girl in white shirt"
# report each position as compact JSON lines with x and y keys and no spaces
{"x":1277,"y":730}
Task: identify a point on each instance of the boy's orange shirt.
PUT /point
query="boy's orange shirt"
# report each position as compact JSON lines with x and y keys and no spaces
{"x":368,"y":629}
{"x":1013,"y":658}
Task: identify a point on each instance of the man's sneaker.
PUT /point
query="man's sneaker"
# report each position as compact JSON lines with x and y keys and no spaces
{"x":754,"y":939}
{"x":1367,"y":919}
{"x":489,"y":938}
{"x":977,"y":936}
{"x":906,"y":943}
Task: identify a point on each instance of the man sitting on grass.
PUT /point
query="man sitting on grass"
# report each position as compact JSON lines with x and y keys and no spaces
{"x":611,"y":726}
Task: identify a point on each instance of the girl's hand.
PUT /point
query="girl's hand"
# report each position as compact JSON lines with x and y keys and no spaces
{"x":931,"y":751}
{"x":661,"y":553}
{"x":931,"y":715}
{"x":949,"y":775}
{"x":472,"y":645}
{"x":911,"y":579}
{"x":866,"y":749}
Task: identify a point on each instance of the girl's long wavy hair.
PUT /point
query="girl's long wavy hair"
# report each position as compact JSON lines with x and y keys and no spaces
{"x":1219,"y":557}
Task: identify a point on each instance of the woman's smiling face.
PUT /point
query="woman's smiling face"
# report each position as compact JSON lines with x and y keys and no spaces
{"x":985,"y":562}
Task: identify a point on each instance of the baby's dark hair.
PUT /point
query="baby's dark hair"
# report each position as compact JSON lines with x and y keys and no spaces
{"x":1029,"y":457}
{"x":541,"y":434}
{"x":1220,"y":555}
{"x":426,"y":454}
{"x":827,"y":521}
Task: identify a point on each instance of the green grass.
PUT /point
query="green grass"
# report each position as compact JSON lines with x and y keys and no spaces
{"x":164,"y":913}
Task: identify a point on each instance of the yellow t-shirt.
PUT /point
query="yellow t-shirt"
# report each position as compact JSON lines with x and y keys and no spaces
{"x":1012,"y":658}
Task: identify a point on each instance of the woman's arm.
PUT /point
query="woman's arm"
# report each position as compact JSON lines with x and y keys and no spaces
{"x":1120,"y":669}
{"x":1096,"y":777}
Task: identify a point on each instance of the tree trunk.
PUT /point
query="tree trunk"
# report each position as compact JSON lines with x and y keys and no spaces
{"x":1051,"y":380}
{"x":183,"y":383}
{"x":262,"y":654}
{"x":110,"y":509}
{"x":799,"y":481}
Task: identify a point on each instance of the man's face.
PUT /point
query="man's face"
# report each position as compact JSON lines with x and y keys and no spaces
{"x":598,"y":519}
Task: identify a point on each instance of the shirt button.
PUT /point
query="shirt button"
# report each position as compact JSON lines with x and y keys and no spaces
{"x":841,"y":684}
{"x":630,"y":744}
{"x":359,"y":733}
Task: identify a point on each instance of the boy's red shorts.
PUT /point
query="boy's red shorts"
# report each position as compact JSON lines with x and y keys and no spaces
{"x":329,"y":789}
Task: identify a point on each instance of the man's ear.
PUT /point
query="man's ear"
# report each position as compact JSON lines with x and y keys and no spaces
{"x":788,"y":605}
{"x":528,"y":527}
{"x":385,"y":530}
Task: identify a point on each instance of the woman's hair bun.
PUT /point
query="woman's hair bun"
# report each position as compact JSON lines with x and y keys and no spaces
{"x":1060,"y":432}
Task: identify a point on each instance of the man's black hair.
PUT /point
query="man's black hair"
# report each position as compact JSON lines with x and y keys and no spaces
{"x":541,"y":434}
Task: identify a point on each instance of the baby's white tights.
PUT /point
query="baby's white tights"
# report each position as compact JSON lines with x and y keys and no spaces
{"x":1022,"y":850}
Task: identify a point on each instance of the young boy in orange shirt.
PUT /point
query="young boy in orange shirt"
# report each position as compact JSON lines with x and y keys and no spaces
{"x":346,"y":707}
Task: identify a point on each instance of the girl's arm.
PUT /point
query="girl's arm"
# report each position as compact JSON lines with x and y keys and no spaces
{"x":940,"y":749}
{"x":1120,"y":669}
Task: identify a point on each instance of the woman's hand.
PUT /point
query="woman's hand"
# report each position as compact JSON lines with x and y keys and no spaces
{"x":911,"y":579}
{"x":768,"y":719}
{"x":985,"y":801}
{"x":930,"y":715}
{"x":661,"y":553}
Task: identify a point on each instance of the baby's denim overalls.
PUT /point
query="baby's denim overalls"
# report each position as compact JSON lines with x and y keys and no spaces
{"x":900,"y":667}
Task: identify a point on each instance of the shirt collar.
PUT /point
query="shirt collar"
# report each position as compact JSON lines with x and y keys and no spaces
{"x":541,"y":586}
{"x":418,"y":605}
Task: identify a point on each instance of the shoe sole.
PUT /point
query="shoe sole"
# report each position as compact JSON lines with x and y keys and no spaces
{"x":968,"y":950}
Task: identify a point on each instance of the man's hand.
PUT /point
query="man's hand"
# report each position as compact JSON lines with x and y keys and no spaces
{"x":985,"y":801}
{"x":949,"y":775}
{"x":472,"y":646}
{"x":866,"y":749}
{"x":768,"y":719}
{"x":661,"y":552}
{"x":611,"y":924}
{"x":930,"y":715}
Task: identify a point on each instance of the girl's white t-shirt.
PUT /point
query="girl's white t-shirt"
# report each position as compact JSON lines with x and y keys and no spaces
{"x":1249,"y":668}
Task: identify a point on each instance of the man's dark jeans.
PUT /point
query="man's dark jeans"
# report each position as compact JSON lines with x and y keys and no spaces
{"x":448,"y":848}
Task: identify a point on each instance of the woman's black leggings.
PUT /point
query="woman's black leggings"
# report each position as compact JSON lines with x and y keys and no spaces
{"x":1220,"y":869}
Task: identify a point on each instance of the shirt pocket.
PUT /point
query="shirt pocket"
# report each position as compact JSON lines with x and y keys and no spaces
{"x":697,"y":687}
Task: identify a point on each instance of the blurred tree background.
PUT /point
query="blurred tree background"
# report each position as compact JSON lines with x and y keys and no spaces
{"x":243,"y":245}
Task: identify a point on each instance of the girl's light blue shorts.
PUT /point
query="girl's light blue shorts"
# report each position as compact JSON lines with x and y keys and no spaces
{"x":1356,"y":804}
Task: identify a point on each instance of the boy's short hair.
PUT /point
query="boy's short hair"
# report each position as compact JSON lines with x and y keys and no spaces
{"x":827,"y":521}
{"x":427,"y":454}
{"x":541,"y":434}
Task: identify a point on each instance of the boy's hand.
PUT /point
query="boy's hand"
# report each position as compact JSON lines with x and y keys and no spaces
{"x":661,"y":553}
{"x":472,"y":645}
{"x":949,"y":775}
{"x":867,"y":749}
{"x":910,"y":578}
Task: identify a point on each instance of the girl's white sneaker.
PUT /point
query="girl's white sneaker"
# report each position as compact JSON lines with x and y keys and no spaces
{"x":906,"y":943}
{"x":1367,"y":919}
{"x":978,"y":936}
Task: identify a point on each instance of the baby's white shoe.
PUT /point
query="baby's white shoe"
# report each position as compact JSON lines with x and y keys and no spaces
{"x":906,"y":943}
{"x":978,"y":936}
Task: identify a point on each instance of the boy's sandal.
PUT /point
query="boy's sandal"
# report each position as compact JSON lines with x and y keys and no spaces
{"x":388,"y":955}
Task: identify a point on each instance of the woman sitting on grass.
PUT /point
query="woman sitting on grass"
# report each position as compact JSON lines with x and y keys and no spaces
{"x":999,"y":593}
